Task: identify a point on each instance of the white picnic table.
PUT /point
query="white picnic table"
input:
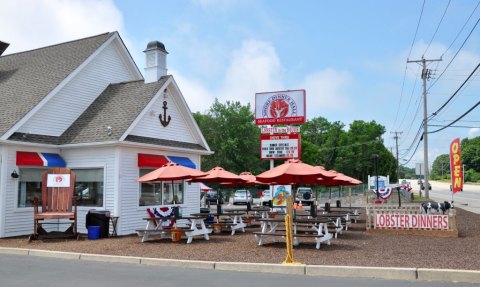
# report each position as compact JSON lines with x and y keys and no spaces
{"x":318,"y":226}
{"x":155,"y":226}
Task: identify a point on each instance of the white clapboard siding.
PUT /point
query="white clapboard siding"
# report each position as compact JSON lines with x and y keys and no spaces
{"x":72,"y":100}
{"x":95,"y":158}
{"x":178,"y":129}
{"x":131,"y":216}
{"x":18,"y":221}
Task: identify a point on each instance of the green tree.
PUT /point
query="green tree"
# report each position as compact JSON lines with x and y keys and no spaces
{"x":470,"y":152}
{"x":441,"y":167}
{"x":231,"y":133}
{"x":362,"y":141}
{"x":326,"y":137}
{"x":406,"y":172}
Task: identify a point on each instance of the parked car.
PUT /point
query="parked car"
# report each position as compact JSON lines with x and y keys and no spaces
{"x":305,"y":195}
{"x":240,"y":197}
{"x":211,"y":197}
{"x":266,"y":198}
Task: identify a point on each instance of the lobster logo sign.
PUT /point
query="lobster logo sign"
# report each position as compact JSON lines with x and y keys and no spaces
{"x":287,"y":107}
{"x":58,"y":180}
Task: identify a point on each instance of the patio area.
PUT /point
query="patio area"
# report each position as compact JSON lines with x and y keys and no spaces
{"x":354,"y":248}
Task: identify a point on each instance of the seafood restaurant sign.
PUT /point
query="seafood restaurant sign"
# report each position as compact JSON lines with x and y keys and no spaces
{"x":278,"y":108}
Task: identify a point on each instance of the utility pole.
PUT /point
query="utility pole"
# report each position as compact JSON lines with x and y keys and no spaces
{"x":426,"y":74}
{"x":396,"y":144}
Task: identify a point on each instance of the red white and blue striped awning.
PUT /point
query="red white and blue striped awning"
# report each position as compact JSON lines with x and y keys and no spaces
{"x":25,"y":158}
{"x":185,"y":161}
{"x":156,"y":160}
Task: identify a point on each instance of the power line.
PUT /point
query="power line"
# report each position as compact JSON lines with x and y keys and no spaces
{"x":416,"y":30}
{"x":410,"y":101}
{"x":406,"y":64}
{"x":459,"y":118}
{"x":461,"y":30}
{"x":458,"y":51}
{"x":438,"y":26}
{"x":463,"y":127}
{"x":418,"y":144}
{"x":456,"y":92}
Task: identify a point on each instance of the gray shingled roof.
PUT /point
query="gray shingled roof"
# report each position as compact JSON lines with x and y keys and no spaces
{"x":27,"y":77}
{"x":117,"y":107}
{"x":162,"y":142}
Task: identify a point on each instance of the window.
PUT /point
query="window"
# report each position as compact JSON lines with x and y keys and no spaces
{"x":88,"y":186}
{"x":160,"y":193}
{"x":29,"y":186}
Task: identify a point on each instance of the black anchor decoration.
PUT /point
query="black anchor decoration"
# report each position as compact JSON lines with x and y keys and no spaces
{"x":165,"y":121}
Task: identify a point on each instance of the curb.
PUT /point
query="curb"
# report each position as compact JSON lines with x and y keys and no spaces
{"x":359,"y":271}
{"x":451,"y":275}
{"x":388,"y":273}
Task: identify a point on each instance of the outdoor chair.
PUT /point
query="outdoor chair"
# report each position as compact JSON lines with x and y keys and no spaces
{"x":58,"y":202}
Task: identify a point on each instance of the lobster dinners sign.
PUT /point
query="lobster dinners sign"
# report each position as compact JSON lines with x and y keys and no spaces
{"x":278,"y":108}
{"x":412,"y":221}
{"x":280,"y":146}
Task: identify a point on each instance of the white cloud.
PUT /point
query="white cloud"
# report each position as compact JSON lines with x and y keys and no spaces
{"x":254,"y":67}
{"x":198,"y":98}
{"x":474,"y":132}
{"x":30,"y":24}
{"x":326,"y":91}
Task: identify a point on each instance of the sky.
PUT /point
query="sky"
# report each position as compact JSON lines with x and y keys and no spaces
{"x":350,"y":56}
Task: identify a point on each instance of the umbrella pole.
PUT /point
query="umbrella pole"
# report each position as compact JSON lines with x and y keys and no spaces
{"x":219,"y":205}
{"x":350,"y":196}
{"x":330,"y":195}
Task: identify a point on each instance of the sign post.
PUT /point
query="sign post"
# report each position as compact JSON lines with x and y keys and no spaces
{"x":281,"y":108}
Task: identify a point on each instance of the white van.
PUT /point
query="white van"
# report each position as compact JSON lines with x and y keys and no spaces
{"x":266,"y":198}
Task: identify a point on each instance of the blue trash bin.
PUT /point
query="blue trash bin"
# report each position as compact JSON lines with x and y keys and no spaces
{"x":93,"y":232}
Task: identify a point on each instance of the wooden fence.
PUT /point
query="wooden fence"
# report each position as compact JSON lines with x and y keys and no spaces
{"x":409,"y":219}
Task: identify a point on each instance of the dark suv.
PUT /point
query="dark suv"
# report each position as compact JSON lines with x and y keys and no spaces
{"x":305,"y":195}
{"x":211,"y":197}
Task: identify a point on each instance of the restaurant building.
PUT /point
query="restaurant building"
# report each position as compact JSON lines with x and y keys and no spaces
{"x":85,"y":105}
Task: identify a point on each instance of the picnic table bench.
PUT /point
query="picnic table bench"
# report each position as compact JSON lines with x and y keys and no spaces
{"x":155,"y":226}
{"x":230,"y":220}
{"x":317,"y":227}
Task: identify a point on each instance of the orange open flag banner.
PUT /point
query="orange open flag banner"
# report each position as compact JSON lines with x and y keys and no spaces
{"x":456,"y":166}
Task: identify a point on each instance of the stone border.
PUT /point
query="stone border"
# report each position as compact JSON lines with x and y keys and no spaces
{"x":389,"y":273}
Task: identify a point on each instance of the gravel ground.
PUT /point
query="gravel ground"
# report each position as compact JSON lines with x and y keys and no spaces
{"x":355,"y":247}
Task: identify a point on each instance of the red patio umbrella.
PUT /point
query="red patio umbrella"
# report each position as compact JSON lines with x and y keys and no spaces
{"x":171,"y":172}
{"x":339,"y":180}
{"x":249,"y":180}
{"x":293,"y":171}
{"x":219,"y":175}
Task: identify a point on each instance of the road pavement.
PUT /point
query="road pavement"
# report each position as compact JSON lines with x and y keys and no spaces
{"x":26,"y":271}
{"x":468,"y":199}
